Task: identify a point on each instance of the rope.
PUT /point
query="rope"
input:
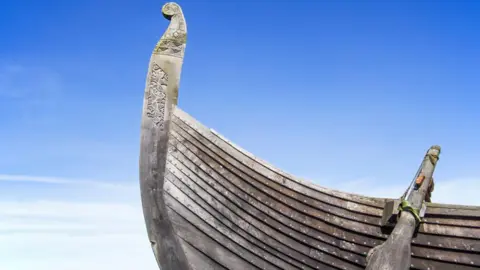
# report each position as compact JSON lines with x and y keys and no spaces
{"x":405,"y":206}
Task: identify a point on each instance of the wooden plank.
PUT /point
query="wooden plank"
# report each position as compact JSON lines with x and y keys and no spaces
{"x":309,"y":204}
{"x":453,"y":210}
{"x":235,"y":219}
{"x":206,"y":223}
{"x":197,"y":259}
{"x":220,"y":224}
{"x":269,"y":236}
{"x":447,"y":242}
{"x":445,"y":255}
{"x":298,"y":201}
{"x":160,"y":98}
{"x":286,"y":225}
{"x":454,"y":206}
{"x":422,"y":264}
{"x":220,"y":252}
{"x":284,"y":214}
{"x":449,"y":230}
{"x":272,"y":172}
{"x":452,"y":220}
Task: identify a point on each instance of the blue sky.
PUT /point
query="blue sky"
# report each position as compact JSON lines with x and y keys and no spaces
{"x":347,"y":94}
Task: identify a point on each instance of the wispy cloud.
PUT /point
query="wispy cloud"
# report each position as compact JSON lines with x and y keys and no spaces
{"x":44,"y":233}
{"x":64,"y":181}
{"x":107,"y":232}
{"x":66,"y":251}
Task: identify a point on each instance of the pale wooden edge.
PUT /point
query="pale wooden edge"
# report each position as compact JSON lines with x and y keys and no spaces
{"x":454,"y":206}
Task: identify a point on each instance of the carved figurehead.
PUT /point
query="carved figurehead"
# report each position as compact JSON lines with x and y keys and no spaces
{"x":174,"y":39}
{"x":160,"y":99}
{"x":165,"y":66}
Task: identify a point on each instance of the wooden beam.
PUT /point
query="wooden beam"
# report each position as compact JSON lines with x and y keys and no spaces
{"x":390,"y":213}
{"x":160,"y":99}
{"x":394,"y":254}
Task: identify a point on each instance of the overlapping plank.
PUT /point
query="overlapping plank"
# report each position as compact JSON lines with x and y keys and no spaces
{"x":224,"y":253}
{"x":215,"y":217}
{"x":301,"y":214}
{"x":334,"y":206}
{"x":291,"y":217}
{"x":252,"y":222}
{"x":197,"y":259}
{"x":353,"y":202}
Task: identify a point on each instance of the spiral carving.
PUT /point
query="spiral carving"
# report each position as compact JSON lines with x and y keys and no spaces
{"x":174,"y":39}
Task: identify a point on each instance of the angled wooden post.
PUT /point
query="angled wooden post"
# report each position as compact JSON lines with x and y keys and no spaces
{"x":394,"y":253}
{"x":161,"y":94}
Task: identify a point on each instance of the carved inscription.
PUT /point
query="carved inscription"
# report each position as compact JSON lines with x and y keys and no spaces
{"x":156,"y":95}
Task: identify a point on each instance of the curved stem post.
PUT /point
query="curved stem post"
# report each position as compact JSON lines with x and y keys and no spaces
{"x":394,"y":253}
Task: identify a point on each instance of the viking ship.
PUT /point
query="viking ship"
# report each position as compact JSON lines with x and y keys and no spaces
{"x":209,"y":204}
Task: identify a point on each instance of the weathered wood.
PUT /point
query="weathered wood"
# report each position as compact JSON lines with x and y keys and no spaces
{"x":224,"y":253}
{"x":239,"y":181}
{"x":275,"y":174}
{"x":241,"y":186}
{"x":197,"y":259}
{"x":394,"y":254}
{"x":264,"y":191}
{"x":252,"y":222}
{"x":453,"y":220}
{"x":390,"y":213}
{"x":209,"y":204}
{"x":245,"y":228}
{"x":211,"y":227}
{"x":161,"y":93}
{"x":464,"y":211}
{"x":296,"y":190}
{"x":275,"y":218}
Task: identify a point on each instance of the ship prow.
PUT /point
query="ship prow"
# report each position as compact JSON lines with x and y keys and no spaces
{"x":209,"y":204}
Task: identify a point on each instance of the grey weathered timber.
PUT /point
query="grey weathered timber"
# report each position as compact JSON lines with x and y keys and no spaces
{"x":209,"y":204}
{"x":300,"y":226}
{"x":394,"y":254}
{"x":161,"y":93}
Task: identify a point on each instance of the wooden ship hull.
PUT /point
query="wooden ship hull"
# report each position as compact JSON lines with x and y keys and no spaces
{"x":208,"y":204}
